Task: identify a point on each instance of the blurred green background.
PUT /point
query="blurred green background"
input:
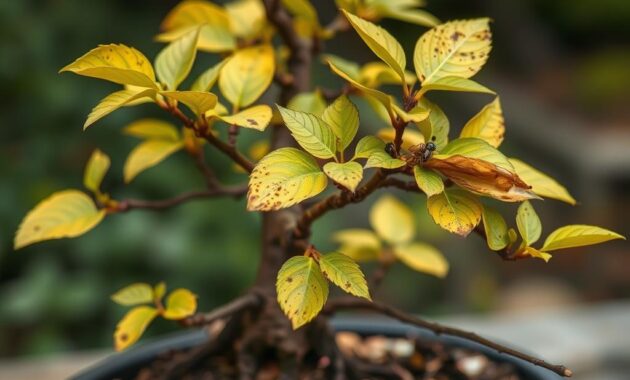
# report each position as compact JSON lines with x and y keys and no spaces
{"x":561,"y":68}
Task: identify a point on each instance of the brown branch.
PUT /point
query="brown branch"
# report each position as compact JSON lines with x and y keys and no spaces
{"x":131,"y":204}
{"x":249,"y":300}
{"x":357,"y":303}
{"x":206,"y":171}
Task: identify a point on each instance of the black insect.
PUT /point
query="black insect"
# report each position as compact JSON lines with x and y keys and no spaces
{"x":390,"y":149}
{"x":429,"y":148}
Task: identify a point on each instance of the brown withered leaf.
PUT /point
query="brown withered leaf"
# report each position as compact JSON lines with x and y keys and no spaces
{"x":482,"y":177}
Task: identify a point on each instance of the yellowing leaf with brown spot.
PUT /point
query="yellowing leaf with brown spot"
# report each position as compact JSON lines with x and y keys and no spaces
{"x":347,"y":174}
{"x":578,"y":235}
{"x":174,"y":62}
{"x":152,"y":129}
{"x":65,"y":214}
{"x":114,"y":101}
{"x":428,"y":181}
{"x":132,"y":326}
{"x":541,"y":183}
{"x":410,"y":137}
{"x":343,"y":118}
{"x":457,"y":48}
{"x":342,"y":271}
{"x":95,"y":170}
{"x":148,"y":154}
{"x":215,"y":27}
{"x":496,"y":229}
{"x":528,"y":223}
{"x":392,"y":220}
{"x":487,"y":125}
{"x":383,"y":44}
{"x":199,"y":102}
{"x":309,"y":102}
{"x":181,"y":303}
{"x":422,"y":258}
{"x":116,"y":63}
{"x":311,"y":132}
{"x":283,"y":178}
{"x":134,"y":294}
{"x":455,"y":210}
{"x":302,"y":290}
{"x":358,"y":244}
{"x":247,"y":74}
{"x":367,"y":146}
{"x":256,"y":117}
{"x":475,"y":148}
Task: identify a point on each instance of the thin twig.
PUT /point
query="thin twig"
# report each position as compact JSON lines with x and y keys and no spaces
{"x":206,"y":171}
{"x":357,"y":303}
{"x":246,"y":301}
{"x":131,"y":204}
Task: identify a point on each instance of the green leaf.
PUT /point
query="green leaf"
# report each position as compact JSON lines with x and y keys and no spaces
{"x":208,"y":78}
{"x":478,"y":149}
{"x":457,"y":48}
{"x":496,"y":229}
{"x":367,"y":146}
{"x":134,"y":294}
{"x":342,"y":271}
{"x":95,"y":171}
{"x":64,"y":214}
{"x":174,"y":62}
{"x":428,"y":181}
{"x":284,"y":177}
{"x":381,"y":159}
{"x":422,"y":258}
{"x":343,"y":118}
{"x":487,"y":125}
{"x":132,"y":326}
{"x":392,"y":220}
{"x":309,"y":102}
{"x":159,"y":290}
{"x":197,"y":101}
{"x":541,"y":183}
{"x":148,"y":154}
{"x":528,"y":223}
{"x":116,"y":63}
{"x":436,"y":125}
{"x":114,"y":101}
{"x":311,"y":132}
{"x":358,"y":244}
{"x":578,"y":235}
{"x":247,"y":74}
{"x":152,"y":129}
{"x":453,"y":83}
{"x":383,"y":44}
{"x":302,"y":290}
{"x":256,"y":117}
{"x":181,"y":303}
{"x":347,"y":174}
{"x":455,"y":210}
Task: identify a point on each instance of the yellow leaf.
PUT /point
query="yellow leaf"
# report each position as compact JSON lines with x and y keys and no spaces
{"x":132,"y":326}
{"x":215,"y":34}
{"x":152,"y":129}
{"x":343,"y":118}
{"x":383,"y":98}
{"x":428,"y":181}
{"x":96,"y":168}
{"x":376,"y":74}
{"x":208,"y":78}
{"x":453,"y":83}
{"x":423,"y":258}
{"x":528,"y":223}
{"x":436,"y":125}
{"x":148,"y":154}
{"x":367,"y":146}
{"x":159,"y":290}
{"x":578,"y":235}
{"x":401,"y":10}
{"x":114,"y":101}
{"x":541,"y":183}
{"x":495,"y":228}
{"x":134,"y":294}
{"x":283,"y":178}
{"x":302,"y":290}
{"x":358,"y":244}
{"x":310,"y":102}
{"x":533,"y":252}
{"x":174,"y":62}
{"x":247,"y":17}
{"x":65,"y":214}
{"x":342,"y":271}
{"x":416,"y":115}
{"x":457,"y":48}
{"x":349,"y":68}
{"x":477,"y":149}
{"x":247,"y":74}
{"x":303,"y":11}
{"x":392,"y":220}
{"x":116,"y":63}
{"x":181,"y":303}
{"x":347,"y":174}
{"x":381,"y":159}
{"x":199,"y":102}
{"x":410,"y":137}
{"x":487,"y":125}
{"x":383,"y":44}
{"x":455,"y":211}
{"x":311,"y":132}
{"x":256,"y":117}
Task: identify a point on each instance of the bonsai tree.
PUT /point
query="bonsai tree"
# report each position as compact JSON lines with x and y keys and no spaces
{"x":318,"y":159}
